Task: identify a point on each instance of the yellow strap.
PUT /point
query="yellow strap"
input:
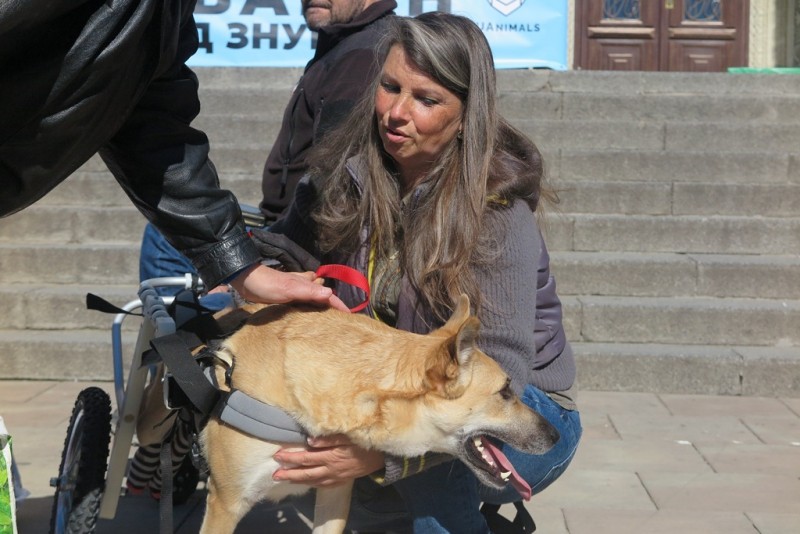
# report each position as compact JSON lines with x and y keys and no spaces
{"x":496,"y":199}
{"x":371,"y":263}
{"x":371,"y":272}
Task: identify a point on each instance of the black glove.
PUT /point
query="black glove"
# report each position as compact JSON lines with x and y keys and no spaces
{"x":278,"y":247}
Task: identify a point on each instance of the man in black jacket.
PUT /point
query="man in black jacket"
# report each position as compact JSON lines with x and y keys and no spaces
{"x":343,"y":65}
{"x":90,"y":76}
{"x":338,"y":75}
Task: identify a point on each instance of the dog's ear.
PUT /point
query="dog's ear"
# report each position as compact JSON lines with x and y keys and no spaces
{"x":466,"y":342}
{"x":450,"y":372}
{"x":459,"y":316}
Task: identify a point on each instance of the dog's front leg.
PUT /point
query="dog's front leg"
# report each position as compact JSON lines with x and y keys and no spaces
{"x":331,"y":508}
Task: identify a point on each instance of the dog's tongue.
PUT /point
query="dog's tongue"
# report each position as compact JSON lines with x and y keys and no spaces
{"x":517,"y":481}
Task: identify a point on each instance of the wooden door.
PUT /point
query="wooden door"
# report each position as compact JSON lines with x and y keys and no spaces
{"x":668,"y":35}
{"x":704,"y":36}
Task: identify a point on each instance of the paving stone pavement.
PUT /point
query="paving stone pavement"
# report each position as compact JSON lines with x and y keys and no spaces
{"x":648,"y":463}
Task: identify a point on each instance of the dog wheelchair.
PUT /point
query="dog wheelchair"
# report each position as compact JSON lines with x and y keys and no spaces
{"x":86,"y":468}
{"x":90,"y":480}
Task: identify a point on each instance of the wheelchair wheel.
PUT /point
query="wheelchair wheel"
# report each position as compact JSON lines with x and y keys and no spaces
{"x":81,"y":477}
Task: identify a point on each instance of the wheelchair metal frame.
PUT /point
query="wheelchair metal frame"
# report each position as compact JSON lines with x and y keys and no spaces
{"x":156,"y":322}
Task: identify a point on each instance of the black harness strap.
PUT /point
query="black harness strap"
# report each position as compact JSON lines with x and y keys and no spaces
{"x":522,"y":523}
{"x":165,"y":502}
{"x":178,"y":358}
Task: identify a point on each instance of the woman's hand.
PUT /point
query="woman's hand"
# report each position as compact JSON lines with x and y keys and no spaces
{"x":262,"y":284}
{"x":327,"y":461}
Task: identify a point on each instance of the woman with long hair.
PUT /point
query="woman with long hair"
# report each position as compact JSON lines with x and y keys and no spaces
{"x":429,"y":191}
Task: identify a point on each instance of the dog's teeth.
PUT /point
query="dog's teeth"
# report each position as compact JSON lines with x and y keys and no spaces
{"x":505,"y":475}
{"x":484,"y":453}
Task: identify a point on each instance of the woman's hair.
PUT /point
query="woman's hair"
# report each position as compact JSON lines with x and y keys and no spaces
{"x":488,"y":166}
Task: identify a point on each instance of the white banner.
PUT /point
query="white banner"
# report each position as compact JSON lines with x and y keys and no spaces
{"x":272,"y":33}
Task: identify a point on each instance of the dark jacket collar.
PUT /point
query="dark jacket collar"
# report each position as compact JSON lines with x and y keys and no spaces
{"x":331,"y":35}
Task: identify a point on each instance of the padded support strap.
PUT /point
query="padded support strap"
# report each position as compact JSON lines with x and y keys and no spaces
{"x":259,"y":419}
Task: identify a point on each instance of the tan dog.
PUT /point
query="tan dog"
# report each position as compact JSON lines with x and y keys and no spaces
{"x":386,"y":389}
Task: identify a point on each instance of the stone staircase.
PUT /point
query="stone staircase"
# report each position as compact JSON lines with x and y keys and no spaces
{"x":676,"y":245}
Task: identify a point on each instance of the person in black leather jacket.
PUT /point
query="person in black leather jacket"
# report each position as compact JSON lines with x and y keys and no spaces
{"x":91,"y":76}
{"x":332,"y":82}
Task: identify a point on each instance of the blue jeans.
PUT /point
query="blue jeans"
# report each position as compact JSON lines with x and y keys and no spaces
{"x":446,"y":498}
{"x":157,"y":258}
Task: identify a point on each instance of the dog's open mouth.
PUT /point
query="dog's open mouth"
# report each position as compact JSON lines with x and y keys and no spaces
{"x":484,"y":455}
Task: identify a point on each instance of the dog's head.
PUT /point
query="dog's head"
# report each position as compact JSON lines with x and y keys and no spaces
{"x":469,"y":403}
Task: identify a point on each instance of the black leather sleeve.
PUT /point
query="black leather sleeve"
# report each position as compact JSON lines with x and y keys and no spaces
{"x":162,"y":163}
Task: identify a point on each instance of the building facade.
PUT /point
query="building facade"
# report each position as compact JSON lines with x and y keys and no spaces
{"x":683,"y":35}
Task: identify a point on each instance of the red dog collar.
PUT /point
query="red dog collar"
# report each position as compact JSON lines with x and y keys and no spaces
{"x":348,"y":275}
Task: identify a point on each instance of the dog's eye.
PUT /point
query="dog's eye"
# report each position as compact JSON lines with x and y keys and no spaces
{"x":506,"y":392}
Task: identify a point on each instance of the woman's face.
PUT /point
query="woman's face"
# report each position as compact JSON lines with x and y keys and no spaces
{"x":417,"y":117}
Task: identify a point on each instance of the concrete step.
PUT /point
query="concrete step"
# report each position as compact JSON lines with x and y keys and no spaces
{"x":247,"y":77}
{"x":659,"y":135}
{"x":683,"y":320}
{"x":676,"y":275}
{"x":648,"y":198}
{"x":264,"y":103}
{"x":661,"y":166}
{"x":645,"y":83}
{"x":96,"y":188}
{"x":725,"y":136}
{"x":678,"y":234}
{"x":60,"y":307}
{"x":94,"y":264}
{"x":240,"y":129}
{"x":61,"y":354}
{"x":73,"y":224}
{"x":651,"y":107}
{"x":688,"y":369}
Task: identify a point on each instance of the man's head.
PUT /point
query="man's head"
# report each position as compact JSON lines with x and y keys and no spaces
{"x":321,"y":13}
